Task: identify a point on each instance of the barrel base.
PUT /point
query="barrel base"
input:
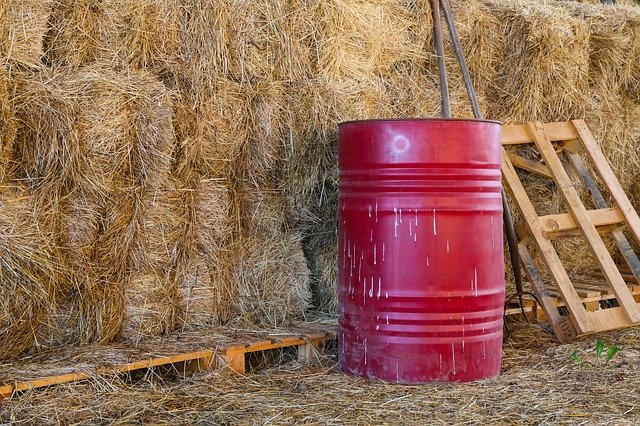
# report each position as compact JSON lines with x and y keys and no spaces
{"x":444,"y":362}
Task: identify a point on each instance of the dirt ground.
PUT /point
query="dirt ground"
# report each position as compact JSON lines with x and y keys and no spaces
{"x":541,"y":383}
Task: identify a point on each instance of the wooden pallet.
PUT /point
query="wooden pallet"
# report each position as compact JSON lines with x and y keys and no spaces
{"x":308,"y":340}
{"x":573,"y":140}
{"x":594,"y":293}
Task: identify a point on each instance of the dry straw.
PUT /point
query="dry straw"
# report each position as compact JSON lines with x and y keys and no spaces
{"x":206,"y":292}
{"x":543,"y":74}
{"x":28,"y":269}
{"x":272,"y":277}
{"x":23,"y":24}
{"x":141,"y":34}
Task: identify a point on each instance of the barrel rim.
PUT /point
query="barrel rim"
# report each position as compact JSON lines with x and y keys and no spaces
{"x":410,"y":120}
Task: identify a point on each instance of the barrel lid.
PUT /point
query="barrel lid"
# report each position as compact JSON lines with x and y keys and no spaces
{"x":430,"y":120}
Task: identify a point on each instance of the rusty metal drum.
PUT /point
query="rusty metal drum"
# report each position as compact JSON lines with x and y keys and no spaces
{"x":421,"y":268}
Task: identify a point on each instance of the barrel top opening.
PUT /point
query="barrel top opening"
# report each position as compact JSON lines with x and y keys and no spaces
{"x":428,"y":120}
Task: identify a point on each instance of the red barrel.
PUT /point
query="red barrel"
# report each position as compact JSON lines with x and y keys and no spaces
{"x":421,"y":269}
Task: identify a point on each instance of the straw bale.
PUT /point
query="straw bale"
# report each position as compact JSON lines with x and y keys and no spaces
{"x":140,"y":34}
{"x":270,"y":120}
{"x":125,"y":126}
{"x":481,"y":41}
{"x":272,"y":278}
{"x":611,"y":44}
{"x":311,"y":148}
{"x":28,"y":268}
{"x":148,"y":32}
{"x":543,"y":71}
{"x":325,"y":278}
{"x":45,"y":149}
{"x":359,"y":39}
{"x":247,"y":41}
{"x":151,"y":305}
{"x":206,"y":292}
{"x":211,"y":130}
{"x":7,"y":125}
{"x":23,"y":24}
{"x":263,"y":209}
{"x":76,"y":32}
{"x":615,"y":122}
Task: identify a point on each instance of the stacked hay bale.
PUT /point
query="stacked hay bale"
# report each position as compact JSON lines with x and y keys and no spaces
{"x":23,"y":24}
{"x":95,"y":148}
{"x":180,"y":157}
{"x":28,"y":270}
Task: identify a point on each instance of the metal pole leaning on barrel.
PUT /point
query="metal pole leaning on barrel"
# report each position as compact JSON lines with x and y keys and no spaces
{"x":475,"y":106}
{"x":445,"y":107}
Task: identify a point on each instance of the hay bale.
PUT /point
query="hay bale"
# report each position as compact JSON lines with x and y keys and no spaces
{"x":358,"y":39}
{"x":151,"y":302}
{"x":615,"y":122}
{"x":272,"y":278}
{"x":45,"y":149}
{"x":613,"y":47}
{"x":481,"y":41}
{"x":76,"y":32}
{"x":211,"y":128}
{"x":140,"y":34}
{"x":7,"y":125}
{"x":206,"y":292}
{"x":91,"y":126}
{"x":23,"y":24}
{"x":263,"y":209}
{"x":543,"y":70}
{"x":325,"y":278}
{"x":270,"y":119}
{"x":28,"y":267}
{"x":248,"y":41}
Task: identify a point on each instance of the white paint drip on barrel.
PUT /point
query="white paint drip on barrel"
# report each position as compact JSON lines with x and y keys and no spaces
{"x":371,"y":289}
{"x":379,"y":286}
{"x":365,"y":351}
{"x":453,"y":357}
{"x":375,"y":254}
{"x":395,"y":224}
{"x":376,"y":210}
{"x":435,"y":230}
{"x":383,"y":252}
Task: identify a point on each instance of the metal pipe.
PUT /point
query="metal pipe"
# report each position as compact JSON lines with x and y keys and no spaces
{"x":512,"y":239}
{"x":448,"y":16}
{"x":445,"y":105}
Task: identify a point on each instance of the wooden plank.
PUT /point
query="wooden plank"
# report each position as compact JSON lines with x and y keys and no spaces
{"x":233,"y":360}
{"x":609,"y":319}
{"x":540,"y":290}
{"x":606,"y":173}
{"x":518,"y":134}
{"x":625,"y":248}
{"x":545,"y":248}
{"x":9,"y":389}
{"x":530,"y":166}
{"x":579,"y":213}
{"x":556,"y":225}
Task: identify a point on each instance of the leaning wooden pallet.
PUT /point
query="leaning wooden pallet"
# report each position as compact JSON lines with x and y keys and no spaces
{"x":573,"y":140}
